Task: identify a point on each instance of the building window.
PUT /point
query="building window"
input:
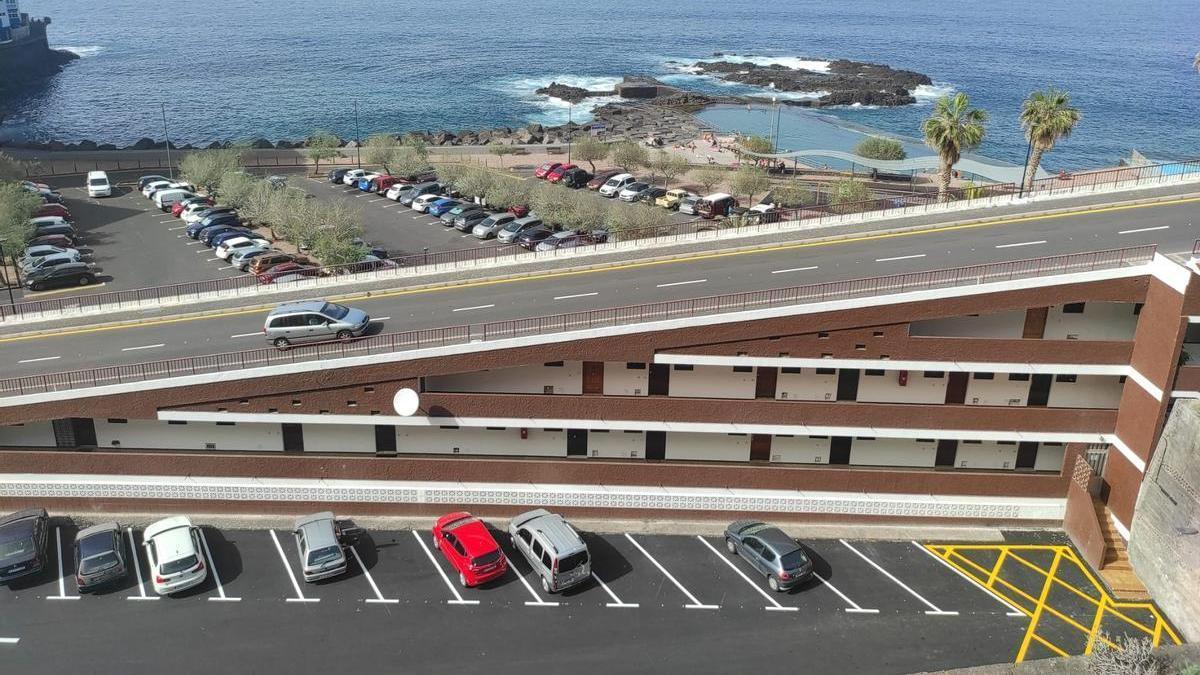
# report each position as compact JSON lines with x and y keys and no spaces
{"x":1018,"y":377}
{"x":822,"y":336}
{"x":935,"y":374}
{"x":926,"y":440}
{"x":793,"y":371}
{"x":820,"y":438}
{"x":973,"y":442}
{"x":860,"y":348}
{"x":1073,"y":308}
{"x":683,"y":366}
{"x":1006,"y":442}
{"x":864,"y":438}
{"x":743,"y":369}
{"x":176,"y":422}
{"x":1064,"y":378}
{"x":827,"y":371}
{"x":495,"y":428}
{"x":877,"y":333}
{"x":553,"y":364}
{"x":873,"y":372}
{"x":1121,"y":379}
{"x":635,"y":366}
{"x":225,"y":424}
{"x":1137,"y":308}
{"x":117,"y":420}
{"x":985,"y":376}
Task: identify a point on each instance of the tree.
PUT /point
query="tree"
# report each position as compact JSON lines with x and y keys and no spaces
{"x":629,"y":156}
{"x":636,"y":221}
{"x":749,"y":181}
{"x":1046,"y":116}
{"x":476,"y":181}
{"x":260,"y":202}
{"x":235,"y":187}
{"x":848,"y":191}
{"x":878,"y":147}
{"x":410,"y":161}
{"x":207,"y":168}
{"x":322,"y":145}
{"x":382,"y":150}
{"x":500,"y":150}
{"x":756,"y":144}
{"x":507,"y":192}
{"x":590,"y":150}
{"x":588,"y":213}
{"x":709,"y":177}
{"x":549,"y":204}
{"x":16,"y":208}
{"x":792,"y":194}
{"x":951,"y":130}
{"x":416,"y":143}
{"x":669,"y":166}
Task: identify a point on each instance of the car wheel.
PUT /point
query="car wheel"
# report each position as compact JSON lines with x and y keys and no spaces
{"x":729,"y":546}
{"x":773,"y":583}
{"x":84,"y":281}
{"x":282,"y":343}
{"x":38,"y":287}
{"x":546,"y":585}
{"x":462,"y":579}
{"x":344,"y":335}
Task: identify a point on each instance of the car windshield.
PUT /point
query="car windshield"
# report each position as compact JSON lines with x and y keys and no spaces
{"x":176,"y":566}
{"x":513,"y":226}
{"x":335,"y":311}
{"x":97,"y":181}
{"x":572,"y":561}
{"x":795,"y":558}
{"x":16,"y":547}
{"x":321,"y":556}
{"x":98,"y":562}
{"x":486,"y":559}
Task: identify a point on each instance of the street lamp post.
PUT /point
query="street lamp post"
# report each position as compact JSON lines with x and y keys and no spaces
{"x":357,"y":136}
{"x":167,"y":138}
{"x":570,"y":108}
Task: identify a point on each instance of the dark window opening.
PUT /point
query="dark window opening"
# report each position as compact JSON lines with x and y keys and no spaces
{"x":635,"y":366}
{"x":683,"y":366}
{"x":985,"y":376}
{"x":1065,"y":378}
{"x":873,"y":372}
{"x":743,"y":369}
{"x":935,"y":374}
{"x":1073,"y":308}
{"x":1018,"y":377}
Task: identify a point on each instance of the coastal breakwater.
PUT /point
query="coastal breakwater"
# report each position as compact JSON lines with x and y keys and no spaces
{"x":28,"y":61}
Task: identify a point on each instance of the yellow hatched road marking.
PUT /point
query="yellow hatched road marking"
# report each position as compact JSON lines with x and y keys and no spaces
{"x":1091,"y":643}
{"x":1041,"y":605}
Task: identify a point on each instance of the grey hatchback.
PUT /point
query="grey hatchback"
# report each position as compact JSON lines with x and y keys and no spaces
{"x":313,"y":320}
{"x":321,"y":542}
{"x":99,"y":556}
{"x":770,"y":551}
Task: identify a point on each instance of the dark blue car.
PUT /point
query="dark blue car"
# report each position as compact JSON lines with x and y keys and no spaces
{"x":208,"y":235}
{"x":199,"y":226}
{"x":441,"y":206}
{"x":226,"y":236}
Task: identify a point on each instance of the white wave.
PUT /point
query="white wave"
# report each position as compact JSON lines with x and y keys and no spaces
{"x":796,"y":62}
{"x":926,"y":93}
{"x":800,"y":95}
{"x":555,"y":111}
{"x":83,"y":52}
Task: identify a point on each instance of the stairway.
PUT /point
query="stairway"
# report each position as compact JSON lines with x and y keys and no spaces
{"x":1116,"y":570}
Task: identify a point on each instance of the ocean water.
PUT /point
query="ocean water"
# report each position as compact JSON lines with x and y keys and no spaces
{"x":239,"y":69}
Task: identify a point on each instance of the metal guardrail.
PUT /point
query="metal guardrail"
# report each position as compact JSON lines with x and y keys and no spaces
{"x":557,"y":323}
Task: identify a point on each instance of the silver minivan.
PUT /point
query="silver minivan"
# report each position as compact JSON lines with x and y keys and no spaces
{"x":508,"y":233}
{"x":552,"y":548}
{"x":313,"y":320}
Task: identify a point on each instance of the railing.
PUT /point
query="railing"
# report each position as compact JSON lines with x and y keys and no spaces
{"x":599,"y":318}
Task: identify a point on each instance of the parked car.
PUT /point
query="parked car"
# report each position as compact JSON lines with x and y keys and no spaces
{"x":336,"y":175}
{"x":469,"y":548}
{"x":56,"y":240}
{"x":441,"y":206}
{"x":53,"y":210}
{"x":43,"y":221}
{"x":422,"y":203}
{"x":23,"y":538}
{"x":601,"y":178}
{"x":241,"y":257}
{"x":59,"y":276}
{"x":98,"y":185}
{"x":47,"y":261}
{"x":312,"y":320}
{"x":42,"y":250}
{"x":448,"y":217}
{"x":671,"y":198}
{"x":154,"y":178}
{"x":63,"y":228}
{"x":763,"y":213}
{"x":352,"y":176}
{"x":321,"y":542}
{"x":466,"y":221}
{"x":615,"y":184}
{"x":556,"y":174}
{"x":571,"y":239}
{"x":631,"y":191}
{"x":385,"y":183}
{"x":557,"y":553}
{"x":209,"y":233}
{"x":650,"y":194}
{"x":165,"y":199}
{"x":364,"y":181}
{"x":519,"y":210}
{"x":396,"y":190}
{"x":151,"y":188}
{"x":418,"y":190}
{"x":201,"y":211}
{"x":267,"y":261}
{"x":32,"y":185}
{"x":716,"y":204}
{"x":277,"y":273}
{"x":530,"y":238}
{"x":508,"y":234}
{"x":488,"y":227}
{"x":689,"y":205}
{"x":545,"y":169}
{"x":771,"y":551}
{"x":576,"y":178}
{"x":369,"y":263}
{"x":99,"y":557}
{"x":173,"y":553}
{"x":226,"y":248}
{"x":212,"y":220}
{"x":199,"y":200}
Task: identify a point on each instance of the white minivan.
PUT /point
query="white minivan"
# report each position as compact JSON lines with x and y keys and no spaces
{"x":616,"y":184}
{"x":98,"y":185}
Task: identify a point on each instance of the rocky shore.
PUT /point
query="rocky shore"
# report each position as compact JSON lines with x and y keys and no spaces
{"x":843,"y":82}
{"x":26,"y":69}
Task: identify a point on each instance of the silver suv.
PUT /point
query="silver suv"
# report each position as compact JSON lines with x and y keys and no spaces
{"x":313,"y":320}
{"x":553,"y":549}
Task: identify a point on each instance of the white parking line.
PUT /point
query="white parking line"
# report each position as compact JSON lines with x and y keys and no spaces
{"x":537,"y":601}
{"x":796,"y":269}
{"x":388,"y":206}
{"x":291,"y":575}
{"x":458,"y":599}
{"x":775,"y":606}
{"x":1145,"y":229}
{"x":378,"y":599}
{"x":9,"y":641}
{"x":853,"y":608}
{"x":181,"y":227}
{"x":213,"y":259}
{"x":164,"y":222}
{"x":467,"y":309}
{"x":616,"y":601}
{"x":134,"y":349}
{"x":242,"y":335}
{"x":997,"y":598}
{"x":933,"y":609}
{"x":62,"y":582}
{"x":900,"y":257}
{"x":137,"y":569}
{"x":696,"y":604}
{"x":1024,"y":243}
{"x":44,"y":358}
{"x":216,"y":577}
{"x":577,"y":295}
{"x":682,"y":283}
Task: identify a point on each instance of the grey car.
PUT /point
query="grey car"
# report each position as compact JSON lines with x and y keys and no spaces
{"x":312,"y":320}
{"x":23,"y":543}
{"x":488,"y":227}
{"x":467,"y":221}
{"x":448,"y":217}
{"x":321,"y":542}
{"x":771,"y":551}
{"x":52,"y":260}
{"x":509,"y":233}
{"x":99,"y":557}
{"x":43,"y":250}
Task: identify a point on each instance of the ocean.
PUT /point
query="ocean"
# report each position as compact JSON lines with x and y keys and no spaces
{"x":242,"y":69}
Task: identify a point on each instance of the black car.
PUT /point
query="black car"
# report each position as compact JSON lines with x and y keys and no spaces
{"x":466,"y":222}
{"x":61,"y":228}
{"x":650,"y":194}
{"x":52,"y":198}
{"x":23,"y":543}
{"x":70,"y":274}
{"x":529,"y":239}
{"x":576,"y":178}
{"x":336,"y":175}
{"x":99,"y":556}
{"x":216,"y":220}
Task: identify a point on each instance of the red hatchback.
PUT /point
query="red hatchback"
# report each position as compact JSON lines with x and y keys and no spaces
{"x":557,"y":174}
{"x":470,"y":548}
{"x":545,"y":169}
{"x":269,"y":276}
{"x":53,"y":210}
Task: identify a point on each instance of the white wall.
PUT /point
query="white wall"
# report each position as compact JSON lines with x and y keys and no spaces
{"x":620,"y":380}
{"x":893,"y":452}
{"x":475,"y":441}
{"x":999,"y":325}
{"x":985,"y":455}
{"x":998,"y":391}
{"x":800,"y":449}
{"x":886,"y":388}
{"x":1087,"y":391}
{"x":154,"y":434}
{"x":29,"y":435}
{"x":712,"y":382}
{"x":1099,"y":321}
{"x":708,"y":447}
{"x":339,"y":438}
{"x":806,"y":385}
{"x":532,"y":379}
{"x":1049,"y":457}
{"x":616,"y":444}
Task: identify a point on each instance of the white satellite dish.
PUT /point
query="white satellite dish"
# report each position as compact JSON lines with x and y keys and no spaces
{"x":406,"y":402}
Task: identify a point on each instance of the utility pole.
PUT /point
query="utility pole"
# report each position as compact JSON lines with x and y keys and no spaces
{"x":357,"y":136}
{"x":167,"y":137}
{"x":570,"y":108}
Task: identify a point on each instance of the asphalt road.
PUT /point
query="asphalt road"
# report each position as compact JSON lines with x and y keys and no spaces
{"x":677,"y":604}
{"x":1171,"y":226}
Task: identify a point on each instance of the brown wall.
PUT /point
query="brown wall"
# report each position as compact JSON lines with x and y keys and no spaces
{"x":1188,"y":377}
{"x":1081,"y":525}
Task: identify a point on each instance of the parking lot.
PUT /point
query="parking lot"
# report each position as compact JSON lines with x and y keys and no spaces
{"x":680,"y":602}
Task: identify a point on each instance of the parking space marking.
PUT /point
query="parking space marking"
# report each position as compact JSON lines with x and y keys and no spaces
{"x":682,"y":283}
{"x":164,"y":222}
{"x":854,"y":607}
{"x":1145,"y":229}
{"x":577,"y":295}
{"x":900,"y":257}
{"x":537,"y":601}
{"x":137,"y":569}
{"x":378,"y":599}
{"x":381,"y":318}
{"x":134,"y":349}
{"x":1013,"y":609}
{"x":933,"y":610}
{"x":291,"y":575}
{"x":696,"y":604}
{"x":62,"y":582}
{"x":213,"y":259}
{"x":616,"y":601}
{"x":181,"y":227}
{"x":458,"y":599}
{"x":775,"y":606}
{"x":221,"y":597}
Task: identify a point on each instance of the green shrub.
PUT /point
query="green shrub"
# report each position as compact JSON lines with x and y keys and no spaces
{"x":878,"y":147}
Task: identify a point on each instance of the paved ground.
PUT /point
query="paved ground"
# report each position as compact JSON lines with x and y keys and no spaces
{"x":678,"y":602}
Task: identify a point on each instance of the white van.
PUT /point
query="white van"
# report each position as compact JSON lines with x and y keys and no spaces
{"x":616,"y":184}
{"x":165,"y":199}
{"x":98,"y":185}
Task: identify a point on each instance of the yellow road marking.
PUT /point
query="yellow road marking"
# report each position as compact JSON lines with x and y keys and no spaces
{"x":1041,"y":606}
{"x":1091,"y":643}
{"x":363,"y":296}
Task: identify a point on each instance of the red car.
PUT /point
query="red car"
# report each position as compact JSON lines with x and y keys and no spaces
{"x":557,"y":174}
{"x":520,"y":210}
{"x":178,"y":207}
{"x":269,"y":276}
{"x":470,"y":548}
{"x":53,"y":210}
{"x":545,"y":169}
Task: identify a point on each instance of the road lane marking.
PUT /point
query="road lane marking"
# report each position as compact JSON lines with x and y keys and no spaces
{"x":1145,"y":229}
{"x":242,"y":335}
{"x":380,"y":318}
{"x":378,"y":599}
{"x":291,"y":575}
{"x":467,"y":309}
{"x":458,"y":599}
{"x":682,"y":283}
{"x":796,"y":269}
{"x":9,"y":641}
{"x":577,"y":295}
{"x":62,"y":580}
{"x":900,"y":257}
{"x":1007,"y":605}
{"x":933,"y":610}
{"x":696,"y":604}
{"x":133,"y":349}
{"x":1024,"y":243}
{"x":616,"y":601}
{"x":775,"y":606}
{"x":137,"y":569}
{"x":853,"y":608}
{"x":213,"y":566}
{"x":537,"y":601}
{"x":44,"y":358}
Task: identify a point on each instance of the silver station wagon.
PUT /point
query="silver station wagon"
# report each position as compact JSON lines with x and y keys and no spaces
{"x":313,"y":321}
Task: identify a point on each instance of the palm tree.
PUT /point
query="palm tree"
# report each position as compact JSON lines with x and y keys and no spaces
{"x":952,"y":129}
{"x":1046,"y":116}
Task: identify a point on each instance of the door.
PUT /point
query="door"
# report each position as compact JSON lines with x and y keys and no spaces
{"x":760,"y":448}
{"x":293,"y":437}
{"x":956,"y":388}
{"x":947,"y":449}
{"x":656,"y":445}
{"x":577,"y":442}
{"x":847,"y":389}
{"x":1039,"y":390}
{"x":839,"y":450}
{"x":660,"y":379}
{"x":753,"y":551}
{"x":764,"y":383}
{"x":1027,"y":454}
{"x":385,"y":440}
{"x":593,"y":377}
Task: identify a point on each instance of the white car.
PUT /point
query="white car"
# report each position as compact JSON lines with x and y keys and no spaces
{"x":631,"y":191}
{"x":352,"y":176}
{"x":174,"y":554}
{"x":421,"y":204}
{"x":192,"y":213}
{"x":157,"y":185}
{"x":98,"y":185}
{"x":228,"y":246}
{"x":615,"y":184}
{"x":393,"y":193}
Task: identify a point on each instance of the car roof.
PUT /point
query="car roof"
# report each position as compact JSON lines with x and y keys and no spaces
{"x":101,"y":528}
{"x":620,"y":176}
{"x":474,"y":536}
{"x":318,"y":529}
{"x":55,"y":270}
{"x":298,"y":306}
{"x":718,"y":196}
{"x":777,"y":539}
{"x":554,"y":528}
{"x":20,"y":524}
{"x":172,"y":538}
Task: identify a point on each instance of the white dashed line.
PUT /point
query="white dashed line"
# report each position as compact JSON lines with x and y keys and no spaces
{"x":44,"y":358}
{"x":9,"y":641}
{"x":796,"y":269}
{"x":1024,"y":243}
{"x":933,"y":609}
{"x":1145,"y":229}
{"x":291,"y":575}
{"x":133,"y":349}
{"x":458,"y":599}
{"x":682,"y":283}
{"x":577,"y":295}
{"x":137,"y":569}
{"x":900,"y":257}
{"x":381,"y":318}
{"x":467,"y":309}
{"x":696,"y":604}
